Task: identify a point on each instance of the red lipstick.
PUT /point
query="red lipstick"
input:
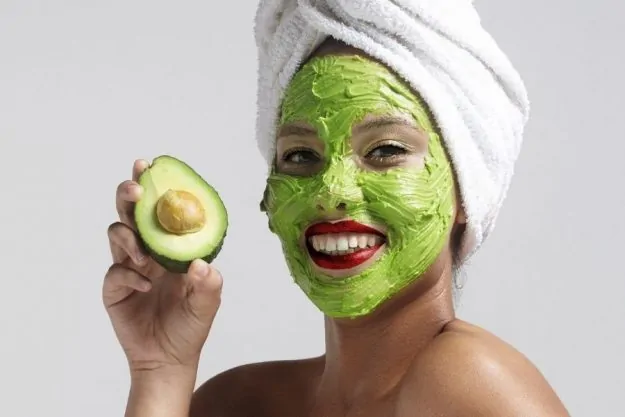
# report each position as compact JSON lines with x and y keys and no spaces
{"x":346,"y":261}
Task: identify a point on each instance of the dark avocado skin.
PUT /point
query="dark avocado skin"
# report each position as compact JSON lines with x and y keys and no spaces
{"x":173,"y":265}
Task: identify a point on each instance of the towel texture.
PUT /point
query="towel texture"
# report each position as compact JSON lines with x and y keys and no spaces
{"x":440,"y":48}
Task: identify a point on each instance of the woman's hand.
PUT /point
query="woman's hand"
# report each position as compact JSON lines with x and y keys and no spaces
{"x":161,"y":319}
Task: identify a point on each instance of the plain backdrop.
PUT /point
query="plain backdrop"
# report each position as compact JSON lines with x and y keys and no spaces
{"x":87,"y":87}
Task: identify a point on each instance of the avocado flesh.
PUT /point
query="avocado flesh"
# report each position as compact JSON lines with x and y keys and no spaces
{"x":176,"y":252}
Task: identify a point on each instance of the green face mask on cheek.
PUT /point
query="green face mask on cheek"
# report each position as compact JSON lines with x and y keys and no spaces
{"x":332,"y":94}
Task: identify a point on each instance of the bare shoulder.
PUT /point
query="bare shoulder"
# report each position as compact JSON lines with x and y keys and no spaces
{"x":257,"y":389}
{"x":468,"y":371}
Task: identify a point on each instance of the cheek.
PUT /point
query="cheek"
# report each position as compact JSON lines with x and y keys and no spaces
{"x":288,"y":202}
{"x":397,"y":198}
{"x":281,"y":192}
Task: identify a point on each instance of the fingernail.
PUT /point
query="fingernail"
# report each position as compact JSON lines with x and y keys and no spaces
{"x":135,"y":190}
{"x":202,"y":268}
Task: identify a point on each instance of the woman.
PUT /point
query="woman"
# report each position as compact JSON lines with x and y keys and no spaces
{"x":365,"y":199}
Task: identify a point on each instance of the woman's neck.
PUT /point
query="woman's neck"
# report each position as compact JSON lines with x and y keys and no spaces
{"x":366,"y":358}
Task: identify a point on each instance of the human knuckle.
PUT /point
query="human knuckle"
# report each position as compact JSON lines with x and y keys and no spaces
{"x":116,"y":272}
{"x":112,"y":228}
{"x":122,"y":189}
{"x":116,"y":231}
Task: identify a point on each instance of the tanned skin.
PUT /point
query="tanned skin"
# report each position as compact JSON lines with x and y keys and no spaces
{"x":411,"y":357}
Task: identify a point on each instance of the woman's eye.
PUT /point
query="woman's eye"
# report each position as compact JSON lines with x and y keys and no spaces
{"x":386,"y":152}
{"x":301,"y":157}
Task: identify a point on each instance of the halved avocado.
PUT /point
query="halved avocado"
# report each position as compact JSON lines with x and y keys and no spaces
{"x":180,"y":217}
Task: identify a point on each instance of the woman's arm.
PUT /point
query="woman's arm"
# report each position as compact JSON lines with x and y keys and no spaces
{"x":163,"y":392}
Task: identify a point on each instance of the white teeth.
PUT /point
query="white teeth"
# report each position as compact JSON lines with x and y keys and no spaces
{"x":330,"y":243}
{"x":316,"y":242}
{"x":343,"y":243}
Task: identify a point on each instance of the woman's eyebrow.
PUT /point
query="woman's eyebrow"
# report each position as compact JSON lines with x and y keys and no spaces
{"x":385,"y":121}
{"x":296,"y":130}
{"x":376,"y":123}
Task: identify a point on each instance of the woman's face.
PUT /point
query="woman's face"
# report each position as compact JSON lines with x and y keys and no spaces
{"x":361,"y":194}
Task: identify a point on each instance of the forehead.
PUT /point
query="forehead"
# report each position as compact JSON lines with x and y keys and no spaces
{"x":337,"y":77}
{"x":345,"y":87}
{"x":368,"y":122}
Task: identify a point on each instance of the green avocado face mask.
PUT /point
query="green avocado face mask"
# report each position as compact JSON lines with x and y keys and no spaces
{"x":416,"y":205}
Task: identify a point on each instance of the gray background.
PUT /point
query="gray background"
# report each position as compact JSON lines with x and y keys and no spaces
{"x":87,"y":87}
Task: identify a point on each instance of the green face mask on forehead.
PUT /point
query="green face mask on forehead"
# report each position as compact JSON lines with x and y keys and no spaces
{"x":415,"y":204}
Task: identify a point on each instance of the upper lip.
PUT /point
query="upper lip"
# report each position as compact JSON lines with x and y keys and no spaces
{"x":343,"y":226}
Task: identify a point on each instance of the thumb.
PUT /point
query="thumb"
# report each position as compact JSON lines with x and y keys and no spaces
{"x":205,"y":285}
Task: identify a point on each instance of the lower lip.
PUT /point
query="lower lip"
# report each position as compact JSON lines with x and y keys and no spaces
{"x":348,"y":261}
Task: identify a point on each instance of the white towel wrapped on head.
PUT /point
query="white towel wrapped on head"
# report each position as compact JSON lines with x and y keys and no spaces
{"x":441,"y":49}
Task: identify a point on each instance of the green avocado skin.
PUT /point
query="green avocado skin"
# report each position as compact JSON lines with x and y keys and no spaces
{"x":174,"y":265}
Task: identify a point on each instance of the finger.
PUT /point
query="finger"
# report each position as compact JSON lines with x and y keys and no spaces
{"x":206,"y":285}
{"x":120,"y":282}
{"x":124,"y":244}
{"x":138,"y":167}
{"x":128,"y":193}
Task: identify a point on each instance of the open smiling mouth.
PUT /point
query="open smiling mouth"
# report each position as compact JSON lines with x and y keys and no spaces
{"x":342,"y":245}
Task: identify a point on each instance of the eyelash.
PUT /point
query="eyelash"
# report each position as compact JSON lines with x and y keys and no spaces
{"x":398,"y":152}
{"x":286,"y":157}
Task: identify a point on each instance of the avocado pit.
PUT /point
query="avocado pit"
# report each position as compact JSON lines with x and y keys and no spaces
{"x":180,"y":212}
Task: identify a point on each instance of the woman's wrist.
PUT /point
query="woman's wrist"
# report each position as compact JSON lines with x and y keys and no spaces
{"x":161,"y":392}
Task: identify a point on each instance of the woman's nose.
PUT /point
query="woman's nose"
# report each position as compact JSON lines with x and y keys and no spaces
{"x":324,"y":206}
{"x":339,"y":190}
